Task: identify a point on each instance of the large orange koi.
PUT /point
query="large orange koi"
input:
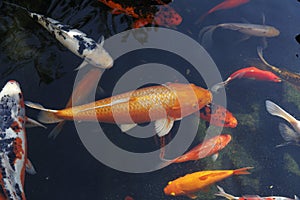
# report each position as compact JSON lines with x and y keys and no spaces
{"x":163,"y":104}
{"x":191,"y":183}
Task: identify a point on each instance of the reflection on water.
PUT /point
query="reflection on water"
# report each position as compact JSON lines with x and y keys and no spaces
{"x":65,"y":170}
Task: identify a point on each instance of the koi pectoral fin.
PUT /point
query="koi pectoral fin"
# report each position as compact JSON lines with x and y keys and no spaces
{"x":32,"y":123}
{"x":215,"y":157}
{"x":163,"y":126}
{"x":127,"y":127}
{"x":192,"y":196}
{"x":29,"y":167}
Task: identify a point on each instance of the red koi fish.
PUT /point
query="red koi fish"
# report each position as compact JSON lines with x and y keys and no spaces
{"x":227,"y":4}
{"x":250,"y":73}
{"x":166,"y":104}
{"x":192,"y":183}
{"x":126,"y":198}
{"x":81,"y":91}
{"x":218,"y":116}
{"x":13,"y":148}
{"x":222,"y":193}
{"x":207,"y":148}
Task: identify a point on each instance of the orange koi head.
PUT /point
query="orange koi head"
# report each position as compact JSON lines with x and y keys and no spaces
{"x":218,"y":116}
{"x":173,"y":189}
{"x":223,"y":140}
{"x":190,"y":98}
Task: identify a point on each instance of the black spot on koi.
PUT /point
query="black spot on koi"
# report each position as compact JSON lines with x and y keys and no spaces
{"x":83,"y":45}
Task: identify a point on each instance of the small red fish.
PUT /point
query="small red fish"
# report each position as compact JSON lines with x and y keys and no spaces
{"x":207,"y":148}
{"x":227,"y":4}
{"x":250,"y":73}
{"x":218,"y":116}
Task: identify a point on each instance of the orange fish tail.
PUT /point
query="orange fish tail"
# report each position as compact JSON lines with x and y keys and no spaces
{"x":242,"y":171}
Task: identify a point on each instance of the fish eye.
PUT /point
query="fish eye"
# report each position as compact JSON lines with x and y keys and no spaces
{"x":173,"y":194}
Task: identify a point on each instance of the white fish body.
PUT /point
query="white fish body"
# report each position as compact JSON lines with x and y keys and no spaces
{"x":76,"y":41}
{"x":13,"y":152}
{"x":288,"y":134}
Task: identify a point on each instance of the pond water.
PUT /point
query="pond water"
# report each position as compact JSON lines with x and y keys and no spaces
{"x":45,"y":70}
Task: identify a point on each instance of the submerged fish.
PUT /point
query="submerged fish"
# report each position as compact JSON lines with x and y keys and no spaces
{"x":208,"y":147}
{"x":146,"y":12}
{"x":250,"y":73}
{"x":13,"y":148}
{"x":222,"y":193}
{"x":227,"y":4}
{"x":248,"y":29}
{"x":189,"y":184}
{"x":289,"y":135}
{"x":163,"y":104}
{"x":291,"y":77}
{"x":75,"y":40}
{"x":218,"y":116}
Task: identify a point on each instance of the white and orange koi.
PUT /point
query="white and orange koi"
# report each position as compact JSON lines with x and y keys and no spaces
{"x":13,"y":144}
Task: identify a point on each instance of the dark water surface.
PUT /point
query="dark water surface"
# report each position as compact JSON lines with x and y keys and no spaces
{"x":66,"y":170}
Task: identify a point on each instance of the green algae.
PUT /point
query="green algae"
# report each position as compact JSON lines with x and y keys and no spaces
{"x":291,"y":94}
{"x":291,"y":165}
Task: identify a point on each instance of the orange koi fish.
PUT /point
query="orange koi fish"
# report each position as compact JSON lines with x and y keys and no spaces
{"x":13,"y":143}
{"x":227,"y":4}
{"x":81,"y":91}
{"x":250,"y":73}
{"x":163,"y":104}
{"x":218,"y":116}
{"x":207,"y":148}
{"x":189,"y":184}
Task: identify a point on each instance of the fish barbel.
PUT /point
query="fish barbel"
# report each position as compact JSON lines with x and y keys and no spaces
{"x":163,"y":104}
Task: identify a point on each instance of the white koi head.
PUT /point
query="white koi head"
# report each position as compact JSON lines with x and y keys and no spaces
{"x":99,"y":57}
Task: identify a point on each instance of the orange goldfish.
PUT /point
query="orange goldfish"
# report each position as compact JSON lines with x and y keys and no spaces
{"x":218,"y":116}
{"x":191,"y":183}
{"x":227,"y":4}
{"x":208,"y":147}
{"x":163,"y":104}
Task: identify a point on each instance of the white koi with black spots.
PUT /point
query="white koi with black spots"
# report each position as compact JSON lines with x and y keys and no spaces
{"x":76,"y":41}
{"x":13,"y":144}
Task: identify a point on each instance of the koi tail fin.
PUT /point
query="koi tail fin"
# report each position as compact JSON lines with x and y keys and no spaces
{"x":274,"y":109}
{"x":206,"y":35}
{"x":46,"y":116}
{"x":242,"y":171}
{"x":222,"y":193}
{"x":260,"y":55}
{"x":215,"y":88}
{"x":296,"y":198}
{"x":201,"y":18}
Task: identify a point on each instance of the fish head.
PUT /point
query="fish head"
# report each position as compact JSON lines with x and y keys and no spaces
{"x":172,"y":189}
{"x":226,"y":117}
{"x":273,"y":32}
{"x":11,"y":102}
{"x":167,"y":16}
{"x":224,"y":139}
{"x":100,"y":58}
{"x":204,"y":96}
{"x":273,"y":77}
